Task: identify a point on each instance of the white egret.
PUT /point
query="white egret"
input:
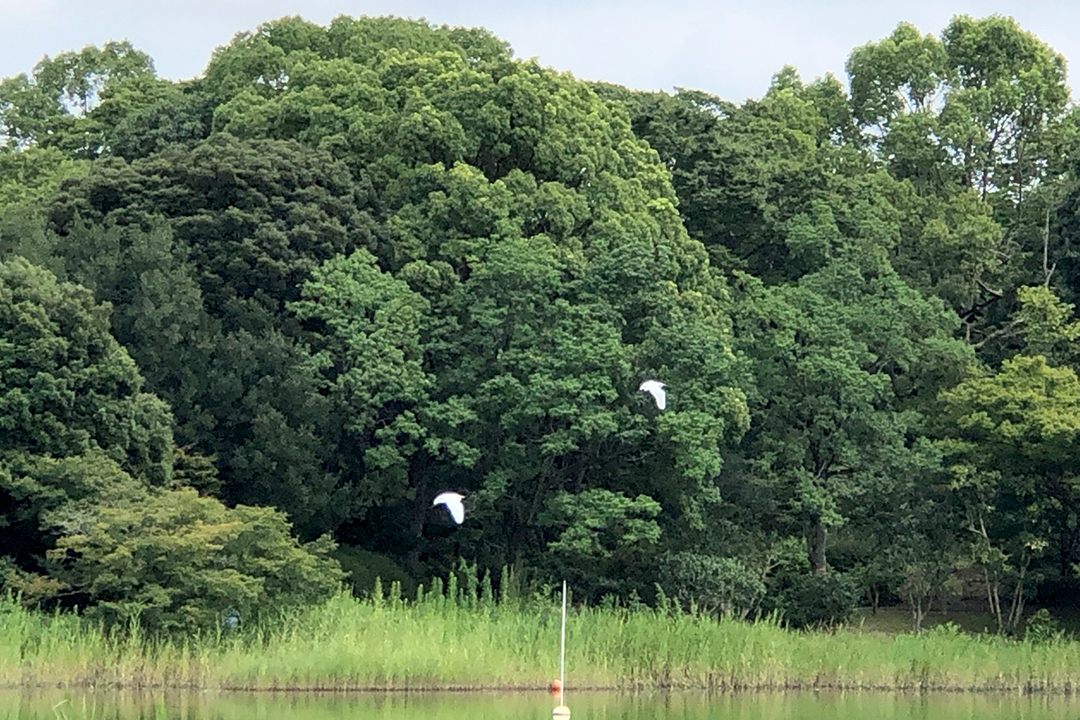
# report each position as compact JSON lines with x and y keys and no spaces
{"x":452,"y":501}
{"x":656,"y":389}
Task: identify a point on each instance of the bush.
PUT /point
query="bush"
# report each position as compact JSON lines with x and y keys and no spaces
{"x":175,"y":561}
{"x":1042,"y":627}
{"x":819,"y":600}
{"x":714,"y":584}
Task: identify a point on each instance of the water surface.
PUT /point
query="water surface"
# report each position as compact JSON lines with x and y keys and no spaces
{"x":46,"y":705}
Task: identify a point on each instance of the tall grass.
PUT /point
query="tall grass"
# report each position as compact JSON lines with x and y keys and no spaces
{"x":461,"y":636}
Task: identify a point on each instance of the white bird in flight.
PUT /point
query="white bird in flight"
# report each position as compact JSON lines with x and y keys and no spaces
{"x":656,"y":389}
{"x":452,"y":501}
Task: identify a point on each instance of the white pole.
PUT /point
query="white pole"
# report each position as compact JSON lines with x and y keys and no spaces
{"x":562,"y":649}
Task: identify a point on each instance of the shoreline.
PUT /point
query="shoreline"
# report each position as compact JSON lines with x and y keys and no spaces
{"x":1068,"y":690}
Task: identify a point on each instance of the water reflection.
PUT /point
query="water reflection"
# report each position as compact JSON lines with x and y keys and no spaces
{"x":44,"y":705}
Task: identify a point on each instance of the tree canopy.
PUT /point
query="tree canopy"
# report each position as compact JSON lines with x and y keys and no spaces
{"x":353,"y":265}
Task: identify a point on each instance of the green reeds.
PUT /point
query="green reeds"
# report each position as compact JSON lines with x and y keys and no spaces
{"x":458,"y":635}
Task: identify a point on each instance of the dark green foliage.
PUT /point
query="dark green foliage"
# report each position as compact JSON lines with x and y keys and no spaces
{"x":199,"y":250}
{"x":605,"y":541}
{"x":1042,"y":627}
{"x":712,"y":584}
{"x":818,"y":599}
{"x":74,"y":423}
{"x":145,"y":117}
{"x":362,"y":568}
{"x":253,"y":217}
{"x":67,"y":386}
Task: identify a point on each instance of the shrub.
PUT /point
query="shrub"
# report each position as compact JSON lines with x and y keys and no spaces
{"x":176,"y":561}
{"x":714,"y":584}
{"x":1042,"y":627}
{"x":819,"y":600}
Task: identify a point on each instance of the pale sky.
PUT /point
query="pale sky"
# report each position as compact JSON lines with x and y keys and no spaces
{"x":727,"y":48}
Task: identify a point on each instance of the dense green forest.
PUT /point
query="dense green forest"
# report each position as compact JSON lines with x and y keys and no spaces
{"x":251,"y":323}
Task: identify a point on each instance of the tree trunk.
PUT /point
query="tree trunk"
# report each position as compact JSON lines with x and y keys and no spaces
{"x":815,"y":544}
{"x":1016,"y":610}
{"x":994,"y":598}
{"x":917,"y":613}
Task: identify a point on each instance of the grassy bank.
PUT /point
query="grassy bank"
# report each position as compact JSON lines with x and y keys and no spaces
{"x":438,"y":643}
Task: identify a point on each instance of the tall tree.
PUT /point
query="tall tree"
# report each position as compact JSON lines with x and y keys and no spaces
{"x":1012,"y":443}
{"x":75,"y":420}
{"x":199,"y":250}
{"x":51,"y":106}
{"x":844,"y":361}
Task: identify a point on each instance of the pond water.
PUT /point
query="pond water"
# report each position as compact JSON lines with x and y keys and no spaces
{"x":530,"y":706}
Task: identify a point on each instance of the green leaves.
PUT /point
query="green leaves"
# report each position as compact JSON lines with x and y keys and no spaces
{"x":54,"y":105}
{"x":1011,"y":443}
{"x":899,"y":74}
{"x":175,"y":561}
{"x":370,"y":347}
{"x":1028,"y":407}
{"x":838,"y":360}
{"x":712,"y":584}
{"x":66,"y":386}
{"x":371,"y":260}
{"x":372,"y":326}
{"x":603,"y":536}
{"x":985,"y":97}
{"x":75,"y":425}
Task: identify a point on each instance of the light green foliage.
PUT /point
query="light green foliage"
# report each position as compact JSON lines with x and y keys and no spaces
{"x":980,"y":112}
{"x":174,"y":561}
{"x":370,"y":347}
{"x":899,"y":74}
{"x":30,"y":176}
{"x":958,"y":253}
{"x":1045,"y":324}
{"x":1013,"y":437}
{"x":780,"y":186}
{"x":1010,"y":88}
{"x":731,"y":165}
{"x":1042,"y":627}
{"x":1027,"y":413}
{"x":52,"y":106}
{"x":971,"y":108}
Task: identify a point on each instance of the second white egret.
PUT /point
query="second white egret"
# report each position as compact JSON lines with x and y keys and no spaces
{"x":452,"y":501}
{"x":656,"y":389}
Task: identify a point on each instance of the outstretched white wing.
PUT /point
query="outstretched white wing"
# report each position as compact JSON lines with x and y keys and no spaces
{"x":452,"y":501}
{"x":656,"y":389}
